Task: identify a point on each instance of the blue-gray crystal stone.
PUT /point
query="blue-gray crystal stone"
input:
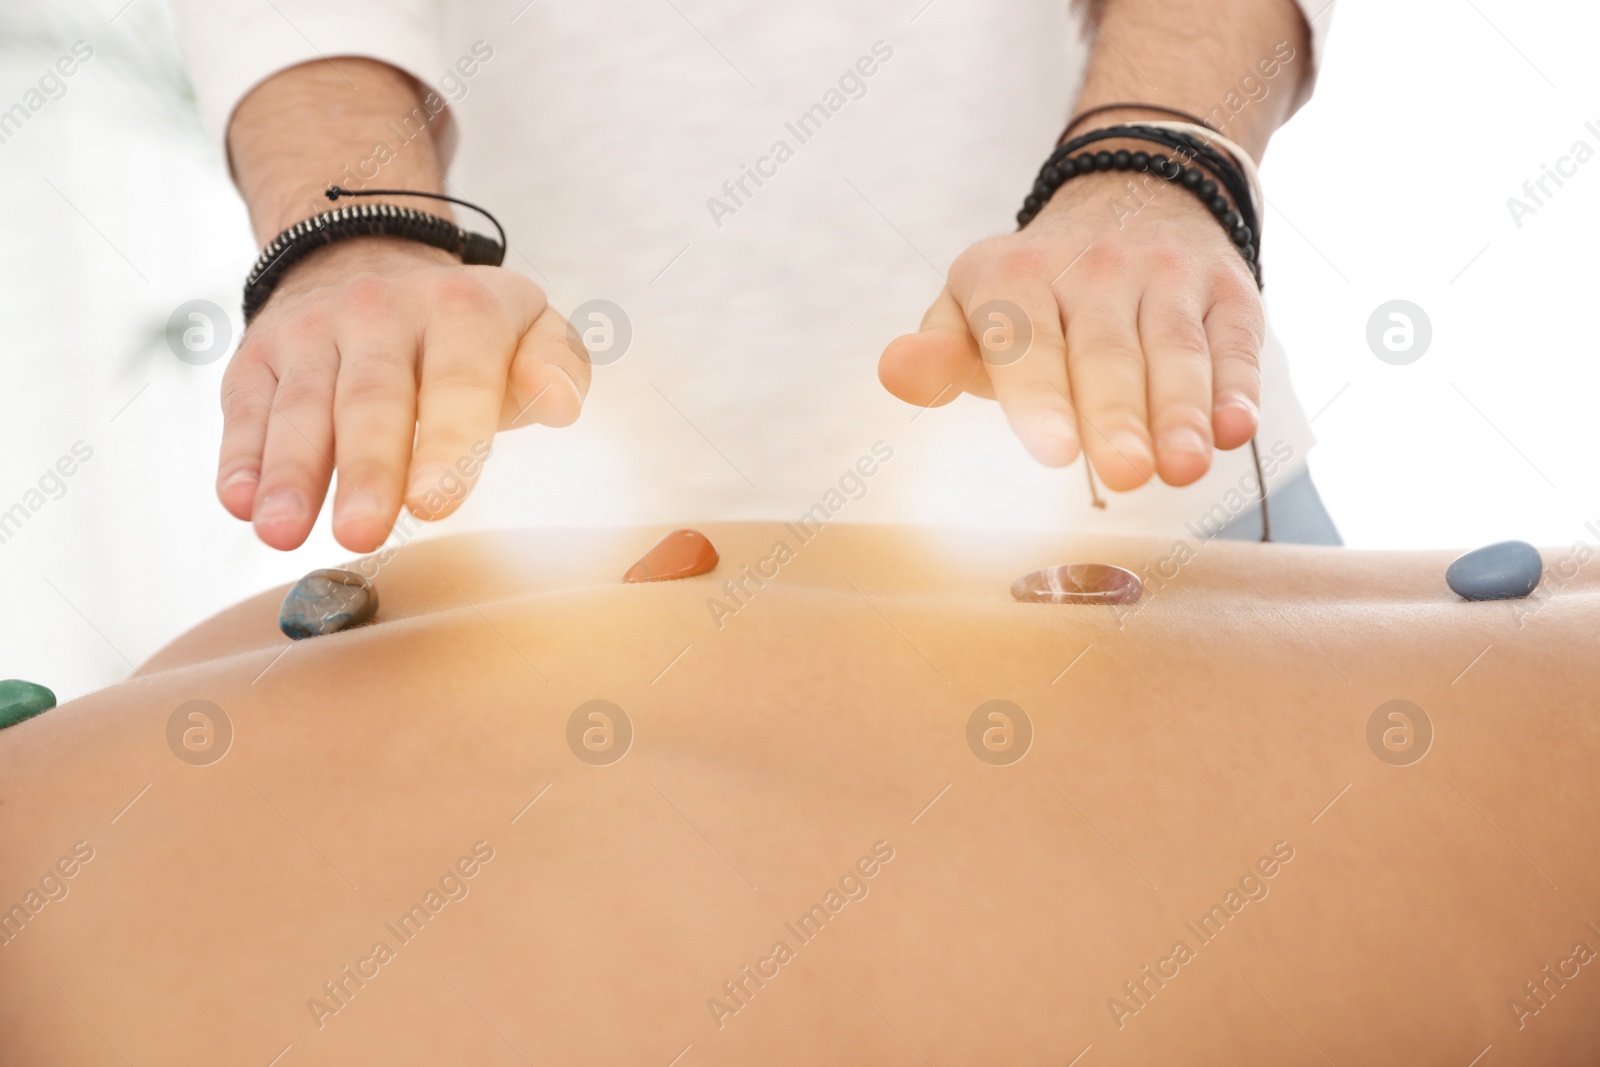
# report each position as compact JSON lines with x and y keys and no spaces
{"x":1503,"y":571}
{"x":21,"y":700}
{"x":325,"y":602}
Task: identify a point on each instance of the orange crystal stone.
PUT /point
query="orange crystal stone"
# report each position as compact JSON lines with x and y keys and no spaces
{"x":680,"y":554}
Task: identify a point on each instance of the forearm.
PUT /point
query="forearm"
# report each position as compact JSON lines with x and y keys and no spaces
{"x":1240,"y":64}
{"x":360,"y":123}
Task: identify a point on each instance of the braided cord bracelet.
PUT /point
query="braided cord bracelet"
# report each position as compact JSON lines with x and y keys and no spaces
{"x":1128,"y":105}
{"x":368,"y":220}
{"x":1241,"y":224}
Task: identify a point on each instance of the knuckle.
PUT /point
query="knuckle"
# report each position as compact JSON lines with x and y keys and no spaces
{"x":1018,"y":263}
{"x":1105,"y":257}
{"x":1239,"y":338}
{"x":522,"y":288}
{"x":1238,"y":353}
{"x":972,"y":263}
{"x":1171,"y":260}
{"x":1242,"y":361}
{"x":1236,"y":318}
{"x":1182,"y":337}
{"x":371,"y":388}
{"x":305,"y":332}
{"x":253,"y":359}
{"x":463,"y":292}
{"x":462,"y":378}
{"x":1236,"y":293}
{"x":297,"y":394}
{"x":241,"y":398}
{"x":368,"y":296}
{"x":1107,"y":350}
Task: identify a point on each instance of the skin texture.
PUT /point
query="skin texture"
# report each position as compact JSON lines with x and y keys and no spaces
{"x":1406,"y":904}
{"x":1146,"y":325}
{"x":383,"y":358}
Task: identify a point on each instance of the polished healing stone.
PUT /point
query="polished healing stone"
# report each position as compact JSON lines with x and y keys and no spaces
{"x":1504,"y":571}
{"x":1079,"y":583}
{"x":21,"y":700}
{"x":325,"y":602}
{"x":680,"y":554}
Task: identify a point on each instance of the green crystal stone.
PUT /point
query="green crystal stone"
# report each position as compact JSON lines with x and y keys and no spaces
{"x":21,"y":700}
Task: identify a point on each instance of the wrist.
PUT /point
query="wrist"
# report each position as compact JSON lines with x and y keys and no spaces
{"x":354,"y":255}
{"x":307,"y":201}
{"x":361,"y":124}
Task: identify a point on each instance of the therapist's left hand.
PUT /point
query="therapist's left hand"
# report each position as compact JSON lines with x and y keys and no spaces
{"x":1135,"y":339}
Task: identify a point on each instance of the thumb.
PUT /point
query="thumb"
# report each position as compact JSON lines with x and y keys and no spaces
{"x":932,"y":367}
{"x":549,"y":376}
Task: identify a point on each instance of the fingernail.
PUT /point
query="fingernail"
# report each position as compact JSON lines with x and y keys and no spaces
{"x":1183,"y":439}
{"x":1240,"y":401}
{"x":240,"y":477}
{"x":425,"y":479}
{"x":281,"y":505}
{"x":1056,"y":424}
{"x":1131,"y":446}
{"x":360,"y":505}
{"x":577,"y":393}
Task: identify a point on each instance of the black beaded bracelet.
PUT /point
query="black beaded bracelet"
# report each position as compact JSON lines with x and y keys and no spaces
{"x":367,"y":220}
{"x":1241,"y":225}
{"x":1222,"y":166}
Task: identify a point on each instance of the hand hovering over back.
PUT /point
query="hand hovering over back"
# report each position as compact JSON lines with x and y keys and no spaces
{"x":1138,"y":340}
{"x":381,"y":359}
{"x":1138,"y":326}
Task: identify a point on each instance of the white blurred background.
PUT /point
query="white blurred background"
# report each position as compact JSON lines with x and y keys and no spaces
{"x":1392,"y":184}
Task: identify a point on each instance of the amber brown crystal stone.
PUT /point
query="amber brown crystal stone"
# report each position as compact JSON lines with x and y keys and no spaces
{"x":680,"y":554}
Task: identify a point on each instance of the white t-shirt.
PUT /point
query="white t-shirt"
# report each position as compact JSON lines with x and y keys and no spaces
{"x":769,"y":199}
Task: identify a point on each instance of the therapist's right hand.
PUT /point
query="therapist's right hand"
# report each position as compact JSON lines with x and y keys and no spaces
{"x":393,"y":364}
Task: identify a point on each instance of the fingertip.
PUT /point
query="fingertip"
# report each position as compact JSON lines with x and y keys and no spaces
{"x":237,"y":493}
{"x":1126,"y":463}
{"x":1052,"y":439}
{"x":361,"y":523}
{"x":923,"y":368}
{"x":360,"y":538}
{"x":282,"y":519}
{"x":430,"y":510}
{"x":897,"y":367}
{"x":556,"y":399}
{"x":1235,"y":420}
{"x":424,"y":497}
{"x":1182,"y":456}
{"x":436,"y":490}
